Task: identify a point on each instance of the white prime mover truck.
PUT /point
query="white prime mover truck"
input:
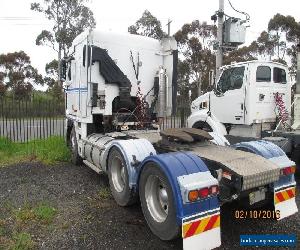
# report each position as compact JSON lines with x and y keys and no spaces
{"x":250,"y":101}
{"x":118,"y":87}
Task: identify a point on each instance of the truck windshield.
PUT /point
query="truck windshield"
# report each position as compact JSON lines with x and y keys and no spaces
{"x":231,"y":79}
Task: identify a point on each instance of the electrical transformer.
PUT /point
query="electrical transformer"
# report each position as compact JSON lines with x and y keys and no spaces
{"x":234,"y":32}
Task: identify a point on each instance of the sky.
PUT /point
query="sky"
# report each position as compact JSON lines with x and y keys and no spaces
{"x":20,"y":26}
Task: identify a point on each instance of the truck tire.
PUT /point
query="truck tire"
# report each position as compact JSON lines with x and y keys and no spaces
{"x":203,"y":126}
{"x":75,"y":157}
{"x":119,"y":180}
{"x":157,"y":201}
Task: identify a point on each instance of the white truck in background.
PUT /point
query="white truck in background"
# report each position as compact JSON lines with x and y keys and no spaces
{"x":117,"y":89}
{"x":250,"y":101}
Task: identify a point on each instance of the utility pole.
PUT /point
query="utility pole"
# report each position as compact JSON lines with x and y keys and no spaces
{"x":296,"y":124}
{"x":298,"y":71}
{"x":219,"y":56}
{"x":169,"y":26}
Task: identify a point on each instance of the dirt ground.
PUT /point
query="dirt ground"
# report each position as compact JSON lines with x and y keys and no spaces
{"x":88,"y":218}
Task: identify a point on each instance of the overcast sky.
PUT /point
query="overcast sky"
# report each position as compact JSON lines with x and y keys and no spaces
{"x":20,"y":26}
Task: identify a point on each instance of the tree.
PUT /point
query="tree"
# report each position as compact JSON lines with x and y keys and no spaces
{"x":147,"y":25}
{"x":288,"y":30}
{"x":70,"y":18}
{"x":51,"y":79}
{"x":17,"y":74}
{"x":245,"y":53}
{"x":196,"y":47}
{"x":270,"y":45}
{"x":2,"y":85}
{"x":51,"y":69}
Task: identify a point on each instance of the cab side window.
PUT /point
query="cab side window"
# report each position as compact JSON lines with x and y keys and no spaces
{"x":231,"y":79}
{"x":279,"y":75}
{"x":263,"y":74}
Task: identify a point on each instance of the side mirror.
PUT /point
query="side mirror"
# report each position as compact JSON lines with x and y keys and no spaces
{"x":63,"y":70}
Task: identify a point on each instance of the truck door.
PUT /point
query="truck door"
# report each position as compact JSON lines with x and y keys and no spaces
{"x":270,"y":80}
{"x":227,"y":102}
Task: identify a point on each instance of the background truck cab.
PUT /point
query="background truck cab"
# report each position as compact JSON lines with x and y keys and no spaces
{"x":244,"y":95}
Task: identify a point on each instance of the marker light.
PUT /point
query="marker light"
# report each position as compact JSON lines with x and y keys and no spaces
{"x":288,"y":170}
{"x":203,"y":193}
{"x":193,"y":195}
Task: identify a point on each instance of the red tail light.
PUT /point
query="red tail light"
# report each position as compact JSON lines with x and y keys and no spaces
{"x":203,"y":193}
{"x":288,"y":170}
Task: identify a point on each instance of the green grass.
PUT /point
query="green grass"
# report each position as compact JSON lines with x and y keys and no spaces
{"x":48,"y":151}
{"x":1,"y":231}
{"x":22,"y":241}
{"x":104,"y":193}
{"x":20,"y":223}
{"x":24,"y":214}
{"x":43,"y":213}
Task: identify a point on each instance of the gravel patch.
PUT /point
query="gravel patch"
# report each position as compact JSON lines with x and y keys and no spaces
{"x":88,"y":218}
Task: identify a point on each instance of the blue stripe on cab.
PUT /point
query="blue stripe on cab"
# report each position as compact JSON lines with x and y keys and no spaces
{"x":76,"y":90}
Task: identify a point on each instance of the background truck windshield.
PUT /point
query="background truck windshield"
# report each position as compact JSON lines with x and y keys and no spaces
{"x":231,"y":79}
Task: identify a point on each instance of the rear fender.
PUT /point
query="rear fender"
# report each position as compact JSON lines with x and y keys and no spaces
{"x":284,"y":189}
{"x":134,"y":152}
{"x":176,"y":165}
{"x":200,"y":220}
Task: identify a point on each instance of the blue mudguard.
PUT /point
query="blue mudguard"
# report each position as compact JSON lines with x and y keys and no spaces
{"x":284,"y":188}
{"x":263,"y":148}
{"x":271,"y":152}
{"x":177,"y":165}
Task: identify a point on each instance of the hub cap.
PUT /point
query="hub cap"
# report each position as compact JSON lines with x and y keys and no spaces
{"x":118,"y":174}
{"x":156,"y":198}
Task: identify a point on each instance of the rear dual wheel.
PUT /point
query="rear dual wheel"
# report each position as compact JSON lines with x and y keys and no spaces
{"x":156,"y":195}
{"x":119,"y":179}
{"x":157,"y":201}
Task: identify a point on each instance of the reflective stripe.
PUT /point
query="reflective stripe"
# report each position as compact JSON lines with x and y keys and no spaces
{"x":284,"y":195}
{"x":199,"y":226}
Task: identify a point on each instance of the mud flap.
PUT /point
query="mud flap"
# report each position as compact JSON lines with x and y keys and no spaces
{"x":284,"y":200}
{"x":202,"y":231}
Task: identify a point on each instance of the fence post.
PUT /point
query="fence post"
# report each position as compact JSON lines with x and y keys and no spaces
{"x":182,"y":116}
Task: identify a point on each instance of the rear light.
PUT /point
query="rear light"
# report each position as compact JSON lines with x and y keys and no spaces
{"x":288,"y":170}
{"x":193,"y":195}
{"x":203,"y":193}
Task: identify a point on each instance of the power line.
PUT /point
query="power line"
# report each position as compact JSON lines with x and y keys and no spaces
{"x":25,"y":24}
{"x":238,"y":11}
{"x":15,"y":18}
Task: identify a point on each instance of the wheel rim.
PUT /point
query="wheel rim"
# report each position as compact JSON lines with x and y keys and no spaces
{"x":118,"y":174}
{"x":156,"y":198}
